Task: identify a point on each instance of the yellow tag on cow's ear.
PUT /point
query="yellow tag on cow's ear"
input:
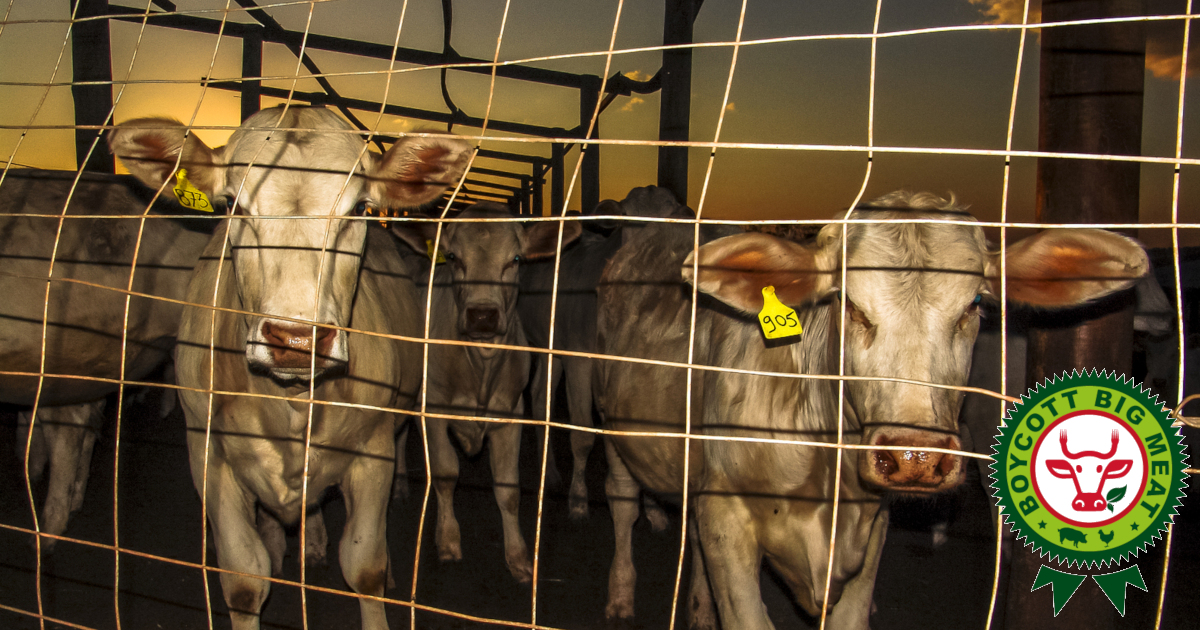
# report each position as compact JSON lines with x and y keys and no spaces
{"x":776,"y":319}
{"x":429,"y":252}
{"x":188,"y":195}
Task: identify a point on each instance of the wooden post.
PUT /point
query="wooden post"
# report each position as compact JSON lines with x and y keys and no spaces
{"x":91,"y":61}
{"x":557,"y":178}
{"x":676,"y":97}
{"x":1091,"y":102}
{"x":252,"y":55}
{"x":589,"y":187}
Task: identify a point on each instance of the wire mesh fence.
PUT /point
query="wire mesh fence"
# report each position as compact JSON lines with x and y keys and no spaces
{"x":795,"y":115}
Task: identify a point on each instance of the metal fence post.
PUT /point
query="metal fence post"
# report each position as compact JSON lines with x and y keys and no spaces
{"x":91,"y":62}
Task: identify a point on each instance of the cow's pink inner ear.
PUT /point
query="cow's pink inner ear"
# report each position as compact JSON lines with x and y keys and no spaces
{"x":150,"y":148}
{"x":1067,"y":267}
{"x":415,"y":171}
{"x":735,"y":269}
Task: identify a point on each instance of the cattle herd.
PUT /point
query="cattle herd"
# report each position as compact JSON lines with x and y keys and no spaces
{"x":307,"y":342}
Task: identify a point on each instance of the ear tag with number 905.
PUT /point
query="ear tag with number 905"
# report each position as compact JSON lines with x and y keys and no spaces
{"x":776,"y":319}
{"x":188,"y":195}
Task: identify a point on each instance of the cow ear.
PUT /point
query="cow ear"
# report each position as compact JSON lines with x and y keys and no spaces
{"x":1065,"y":267}
{"x":541,"y":238}
{"x":150,"y":148}
{"x":735,"y":269}
{"x":414,"y":234}
{"x":416,"y":170}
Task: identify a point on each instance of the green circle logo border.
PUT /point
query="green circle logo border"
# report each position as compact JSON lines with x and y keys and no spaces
{"x":1044,"y":545}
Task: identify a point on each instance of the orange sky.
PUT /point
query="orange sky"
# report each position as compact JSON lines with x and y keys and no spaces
{"x":932,"y":90}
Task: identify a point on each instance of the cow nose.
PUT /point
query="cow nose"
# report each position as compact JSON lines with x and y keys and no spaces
{"x":483,"y":320}
{"x":291,"y":344}
{"x":913,"y":468}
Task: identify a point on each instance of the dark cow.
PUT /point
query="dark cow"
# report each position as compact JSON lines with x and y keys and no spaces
{"x":911,"y":311}
{"x":575,"y":325}
{"x":475,"y":299}
{"x":83,"y":335}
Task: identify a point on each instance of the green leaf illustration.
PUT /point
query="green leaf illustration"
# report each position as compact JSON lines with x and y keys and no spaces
{"x":1114,"y":495}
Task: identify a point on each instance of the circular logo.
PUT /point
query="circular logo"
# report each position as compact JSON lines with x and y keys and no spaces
{"x":1088,"y":469}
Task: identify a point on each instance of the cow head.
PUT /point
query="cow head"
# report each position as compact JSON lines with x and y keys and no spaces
{"x":1089,"y":469}
{"x":290,"y":177}
{"x":484,"y":259}
{"x":911,"y":311}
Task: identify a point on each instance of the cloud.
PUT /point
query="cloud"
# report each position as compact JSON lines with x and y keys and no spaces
{"x":1165,"y":58}
{"x":1008,"y":11}
{"x":1163,"y":45}
{"x":633,"y":101}
{"x":730,"y":108}
{"x":638,"y":75}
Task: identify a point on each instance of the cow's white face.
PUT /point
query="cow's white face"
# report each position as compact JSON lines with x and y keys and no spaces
{"x":911,"y":312}
{"x":292,"y":179}
{"x":295,"y":256}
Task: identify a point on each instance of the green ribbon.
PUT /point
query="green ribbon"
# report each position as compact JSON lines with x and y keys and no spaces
{"x":1063,"y":585}
{"x":1113,"y":585}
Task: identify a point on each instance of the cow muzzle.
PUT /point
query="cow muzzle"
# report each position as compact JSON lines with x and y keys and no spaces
{"x":483,"y":322}
{"x":912,"y":469}
{"x":287,"y":349}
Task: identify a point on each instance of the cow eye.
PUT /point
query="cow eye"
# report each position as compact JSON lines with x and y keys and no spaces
{"x":450,"y":257}
{"x":362,"y":208}
{"x":517,"y":259}
{"x":226,"y":203}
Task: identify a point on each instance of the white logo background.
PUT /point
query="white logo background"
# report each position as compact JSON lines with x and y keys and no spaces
{"x":1088,"y":432}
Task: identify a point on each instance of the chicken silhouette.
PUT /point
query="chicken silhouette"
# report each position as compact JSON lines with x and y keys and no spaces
{"x":1106,"y":538}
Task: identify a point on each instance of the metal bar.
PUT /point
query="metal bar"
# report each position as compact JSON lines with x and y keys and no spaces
{"x":320,"y":98}
{"x":589,"y":186}
{"x":557,"y":177}
{"x":538,"y":182}
{"x":480,"y":182}
{"x":353,"y":47}
{"x":91,"y":61}
{"x":252,"y":55}
{"x":675,"y":107}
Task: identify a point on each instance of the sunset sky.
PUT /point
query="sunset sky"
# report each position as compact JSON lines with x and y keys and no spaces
{"x":933,"y":90}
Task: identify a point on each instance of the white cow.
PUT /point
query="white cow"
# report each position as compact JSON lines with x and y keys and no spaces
{"x":84,"y":323}
{"x":297,"y":273}
{"x":475,"y":299}
{"x":911,"y":307}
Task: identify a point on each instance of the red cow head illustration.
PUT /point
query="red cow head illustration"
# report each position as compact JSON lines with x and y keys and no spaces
{"x":1081,"y":466}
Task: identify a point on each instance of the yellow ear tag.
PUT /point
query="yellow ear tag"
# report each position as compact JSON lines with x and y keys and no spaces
{"x":188,"y":195}
{"x":776,"y":319}
{"x":429,"y":252}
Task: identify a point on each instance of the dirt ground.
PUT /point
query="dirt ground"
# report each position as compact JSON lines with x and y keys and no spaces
{"x":919,"y":585}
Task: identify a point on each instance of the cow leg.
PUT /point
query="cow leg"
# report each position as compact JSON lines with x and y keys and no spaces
{"x":504,"y":453}
{"x":702,"y":610}
{"x":654,"y":513}
{"x":363,"y":548}
{"x":36,"y":463}
{"x":316,"y":540}
{"x":443,"y":462}
{"x":734,"y":561}
{"x":622,"y":491}
{"x":70,"y":434}
{"x":579,"y":399}
{"x":400,"y":480}
{"x":270,"y":530}
{"x":537,"y":397}
{"x":853,"y":610}
{"x":231,"y":512}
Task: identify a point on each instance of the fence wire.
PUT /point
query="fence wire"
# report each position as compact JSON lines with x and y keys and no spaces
{"x":559,"y":214}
